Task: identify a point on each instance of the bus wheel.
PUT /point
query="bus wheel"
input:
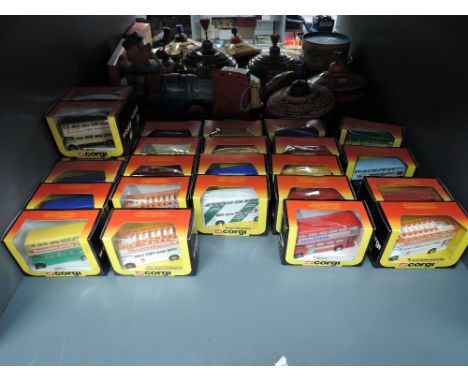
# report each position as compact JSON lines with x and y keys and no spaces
{"x":298,"y":255}
{"x":40,"y":266}
{"x":83,"y":258}
{"x":174,"y":257}
{"x":339,"y":248}
{"x":72,"y":147}
{"x":431,"y":251}
{"x":220,"y":222}
{"x":393,"y":258}
{"x":130,"y":266}
{"x":109,"y":143}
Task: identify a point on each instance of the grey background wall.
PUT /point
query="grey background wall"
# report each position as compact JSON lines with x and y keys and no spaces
{"x":417,"y":71}
{"x":41,"y":58}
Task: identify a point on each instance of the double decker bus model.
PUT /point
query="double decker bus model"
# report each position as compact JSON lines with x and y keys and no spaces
{"x":229,"y":205}
{"x":86,"y":131}
{"x":167,"y":196}
{"x":378,"y":166}
{"x":326,"y":235}
{"x":148,"y":244}
{"x":54,"y":245}
{"x":423,"y":236}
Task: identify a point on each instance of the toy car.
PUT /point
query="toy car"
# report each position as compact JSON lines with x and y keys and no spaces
{"x":158,"y":171}
{"x":81,"y":176}
{"x":229,"y":205}
{"x":306,"y":150}
{"x":68,"y":202}
{"x":305,"y":170}
{"x":232,"y":169}
{"x":166,"y":149}
{"x":235,"y":149}
{"x":298,"y":131}
{"x":55,"y":245}
{"x":298,"y":193}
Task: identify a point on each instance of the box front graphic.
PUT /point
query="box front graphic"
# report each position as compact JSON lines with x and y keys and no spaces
{"x":325,"y":233}
{"x":151,"y":242}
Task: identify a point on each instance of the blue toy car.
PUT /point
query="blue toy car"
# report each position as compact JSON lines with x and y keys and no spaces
{"x":68,"y":202}
{"x":232,"y":169}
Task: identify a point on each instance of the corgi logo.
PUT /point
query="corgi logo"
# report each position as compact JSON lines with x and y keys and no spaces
{"x":93,"y":154}
{"x":63,"y":273}
{"x":417,"y":265}
{"x":235,"y":231}
{"x":153,"y":273}
{"x":330,"y":263}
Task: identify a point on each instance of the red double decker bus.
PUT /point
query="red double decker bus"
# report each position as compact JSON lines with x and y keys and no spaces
{"x":332,"y":232}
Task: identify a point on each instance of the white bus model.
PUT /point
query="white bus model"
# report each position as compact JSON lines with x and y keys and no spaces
{"x":378,"y":166}
{"x":424,"y":236}
{"x":80,"y":132}
{"x":148,"y":244}
{"x":229,"y":205}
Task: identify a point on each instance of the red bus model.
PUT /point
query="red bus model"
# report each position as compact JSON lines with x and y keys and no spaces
{"x":332,"y":232}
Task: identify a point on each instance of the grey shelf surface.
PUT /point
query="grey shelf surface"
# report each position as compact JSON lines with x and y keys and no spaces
{"x":243,"y":308}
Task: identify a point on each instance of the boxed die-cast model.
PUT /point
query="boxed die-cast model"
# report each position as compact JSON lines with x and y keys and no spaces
{"x":368,"y":133}
{"x":305,"y":146}
{"x":325,"y":233}
{"x":315,"y":165}
{"x":418,"y":234}
{"x":232,"y":164}
{"x":148,"y":192}
{"x":160,"y":165}
{"x":54,"y":196}
{"x":84,"y":171}
{"x":235,"y":145}
{"x":156,"y":242}
{"x":308,"y":188}
{"x":227,"y":205}
{"x":171,"y":129}
{"x":93,"y":129}
{"x":57,"y":243}
{"x":168,"y":146}
{"x":364,"y":161}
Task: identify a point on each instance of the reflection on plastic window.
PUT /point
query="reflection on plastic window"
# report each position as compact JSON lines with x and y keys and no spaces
{"x":151,"y":196}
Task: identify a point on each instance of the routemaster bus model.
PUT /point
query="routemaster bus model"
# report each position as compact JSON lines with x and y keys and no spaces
{"x":330,"y":233}
{"x":86,"y":131}
{"x":378,"y":166}
{"x":147,"y":244}
{"x":425,"y":235}
{"x":55,"y":245}
{"x":163,"y":196}
{"x":229,"y":205}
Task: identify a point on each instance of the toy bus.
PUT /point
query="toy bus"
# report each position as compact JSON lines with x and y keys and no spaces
{"x":422,"y":236}
{"x":86,"y":131}
{"x":229,"y":205}
{"x":148,"y":244}
{"x":378,"y":166}
{"x":68,"y":202}
{"x":306,"y":150}
{"x":81,"y":176}
{"x":167,"y":196}
{"x":55,"y":245}
{"x":305,"y":170}
{"x":166,"y":149}
{"x":332,"y":232}
{"x":409,"y":193}
{"x":359,"y":136}
{"x":232,"y":169}
{"x":174,"y":170}
{"x":235,"y":149}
